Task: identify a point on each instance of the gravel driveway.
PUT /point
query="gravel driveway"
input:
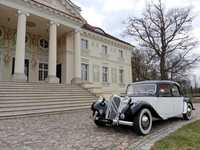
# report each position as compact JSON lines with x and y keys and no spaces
{"x":76,"y":131}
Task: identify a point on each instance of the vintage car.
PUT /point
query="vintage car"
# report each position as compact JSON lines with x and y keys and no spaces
{"x":143,"y":102}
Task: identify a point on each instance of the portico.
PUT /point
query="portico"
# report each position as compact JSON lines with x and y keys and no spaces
{"x":44,"y":39}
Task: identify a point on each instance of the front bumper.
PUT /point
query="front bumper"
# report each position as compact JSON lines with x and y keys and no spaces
{"x":115,"y":122}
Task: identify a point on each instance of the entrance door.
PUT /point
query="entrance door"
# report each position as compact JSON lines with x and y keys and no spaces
{"x":59,"y":72}
{"x":26,"y":68}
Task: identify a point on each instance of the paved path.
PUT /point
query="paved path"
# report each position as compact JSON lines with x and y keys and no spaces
{"x":76,"y":131}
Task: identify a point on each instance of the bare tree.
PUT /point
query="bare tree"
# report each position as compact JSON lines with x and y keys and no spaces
{"x":165,"y":35}
{"x":141,"y":68}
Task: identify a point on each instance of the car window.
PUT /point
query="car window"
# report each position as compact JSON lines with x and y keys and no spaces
{"x":175,"y":91}
{"x":164,"y":90}
{"x":141,"y":90}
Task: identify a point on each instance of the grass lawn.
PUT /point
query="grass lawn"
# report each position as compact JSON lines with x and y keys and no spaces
{"x":186,"y":138}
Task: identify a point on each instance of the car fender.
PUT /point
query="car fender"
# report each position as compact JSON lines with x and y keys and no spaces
{"x":99,"y":106}
{"x":135,"y":108}
{"x":187,"y":100}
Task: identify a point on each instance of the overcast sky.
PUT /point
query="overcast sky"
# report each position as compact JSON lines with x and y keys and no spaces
{"x":110,"y":14}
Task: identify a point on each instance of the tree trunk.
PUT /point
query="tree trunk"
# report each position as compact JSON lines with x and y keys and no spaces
{"x":163,"y":73}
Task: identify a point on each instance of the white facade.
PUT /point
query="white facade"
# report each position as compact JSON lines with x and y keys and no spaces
{"x":45,"y":41}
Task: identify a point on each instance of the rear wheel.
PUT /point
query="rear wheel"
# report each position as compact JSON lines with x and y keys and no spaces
{"x":188,"y":114}
{"x":143,"y":122}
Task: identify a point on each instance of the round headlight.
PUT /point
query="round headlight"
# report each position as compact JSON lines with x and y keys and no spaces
{"x":101,"y":111}
{"x":122,"y":116}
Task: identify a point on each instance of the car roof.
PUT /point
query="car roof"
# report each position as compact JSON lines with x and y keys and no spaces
{"x":156,"y":82}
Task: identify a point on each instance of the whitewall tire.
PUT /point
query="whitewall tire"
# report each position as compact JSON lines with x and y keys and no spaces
{"x":143,"y":122}
{"x":188,"y":114}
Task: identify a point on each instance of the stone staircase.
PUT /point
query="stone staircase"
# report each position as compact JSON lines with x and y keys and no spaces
{"x":19,"y":99}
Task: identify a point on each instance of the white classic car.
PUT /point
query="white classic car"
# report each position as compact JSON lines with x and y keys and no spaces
{"x":143,"y":101}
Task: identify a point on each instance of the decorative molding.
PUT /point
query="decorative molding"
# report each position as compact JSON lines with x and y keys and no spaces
{"x":72,"y":15}
{"x":54,"y":23}
{"x":34,"y":48}
{"x":9,"y":35}
{"x":85,"y":60}
{"x":105,"y":40}
{"x":77,"y":30}
{"x":21,"y":12}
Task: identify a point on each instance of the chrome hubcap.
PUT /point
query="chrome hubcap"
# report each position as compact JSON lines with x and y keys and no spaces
{"x":189,"y":111}
{"x":145,"y":118}
{"x":145,"y":122}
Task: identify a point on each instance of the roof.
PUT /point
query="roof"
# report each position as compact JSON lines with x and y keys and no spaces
{"x":68,"y":14}
{"x":100,"y":31}
{"x":155,"y":82}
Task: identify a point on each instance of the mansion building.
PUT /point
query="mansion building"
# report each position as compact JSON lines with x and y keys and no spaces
{"x":48,"y":41}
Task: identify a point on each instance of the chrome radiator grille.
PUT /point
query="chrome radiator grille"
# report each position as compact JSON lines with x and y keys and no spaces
{"x":113,"y":108}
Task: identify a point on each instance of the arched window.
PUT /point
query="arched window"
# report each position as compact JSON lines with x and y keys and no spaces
{"x":1,"y":33}
{"x":27,"y":39}
{"x":44,"y":43}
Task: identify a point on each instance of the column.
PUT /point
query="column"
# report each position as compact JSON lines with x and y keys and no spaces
{"x":77,"y":58}
{"x":52,"y":53}
{"x":19,"y":74}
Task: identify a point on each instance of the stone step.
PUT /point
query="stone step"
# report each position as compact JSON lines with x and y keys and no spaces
{"x":46,"y":98}
{"x":2,"y":96}
{"x":18,"y":99}
{"x":43,"y":92}
{"x":36,"y":86}
{"x":26,"y":108}
{"x":36,"y":100}
{"x":43,"y":103}
{"x":5,"y":115}
{"x":31,"y":83}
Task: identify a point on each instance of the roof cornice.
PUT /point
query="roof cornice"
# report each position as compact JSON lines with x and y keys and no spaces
{"x":56,"y":11}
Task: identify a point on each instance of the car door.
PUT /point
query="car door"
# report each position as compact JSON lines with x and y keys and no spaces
{"x":177,"y":100}
{"x":165,"y":101}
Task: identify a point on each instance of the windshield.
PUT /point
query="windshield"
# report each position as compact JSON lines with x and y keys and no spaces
{"x":141,"y":90}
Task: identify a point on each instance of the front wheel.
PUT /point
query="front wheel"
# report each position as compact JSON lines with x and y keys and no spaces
{"x":143,"y":122}
{"x":98,"y":121}
{"x":188,"y":114}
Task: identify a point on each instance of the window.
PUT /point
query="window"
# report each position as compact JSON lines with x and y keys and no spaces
{"x":84,"y":44}
{"x":44,"y":43}
{"x":43,"y":71}
{"x":96,"y":73}
{"x":114,"y":75}
{"x":84,"y":72}
{"x":27,"y":39}
{"x":141,"y":90}
{"x":121,"y":54}
{"x":105,"y":74}
{"x":121,"y":76}
{"x":164,"y":90}
{"x":1,"y":33}
{"x":105,"y":49}
{"x":175,"y":91}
